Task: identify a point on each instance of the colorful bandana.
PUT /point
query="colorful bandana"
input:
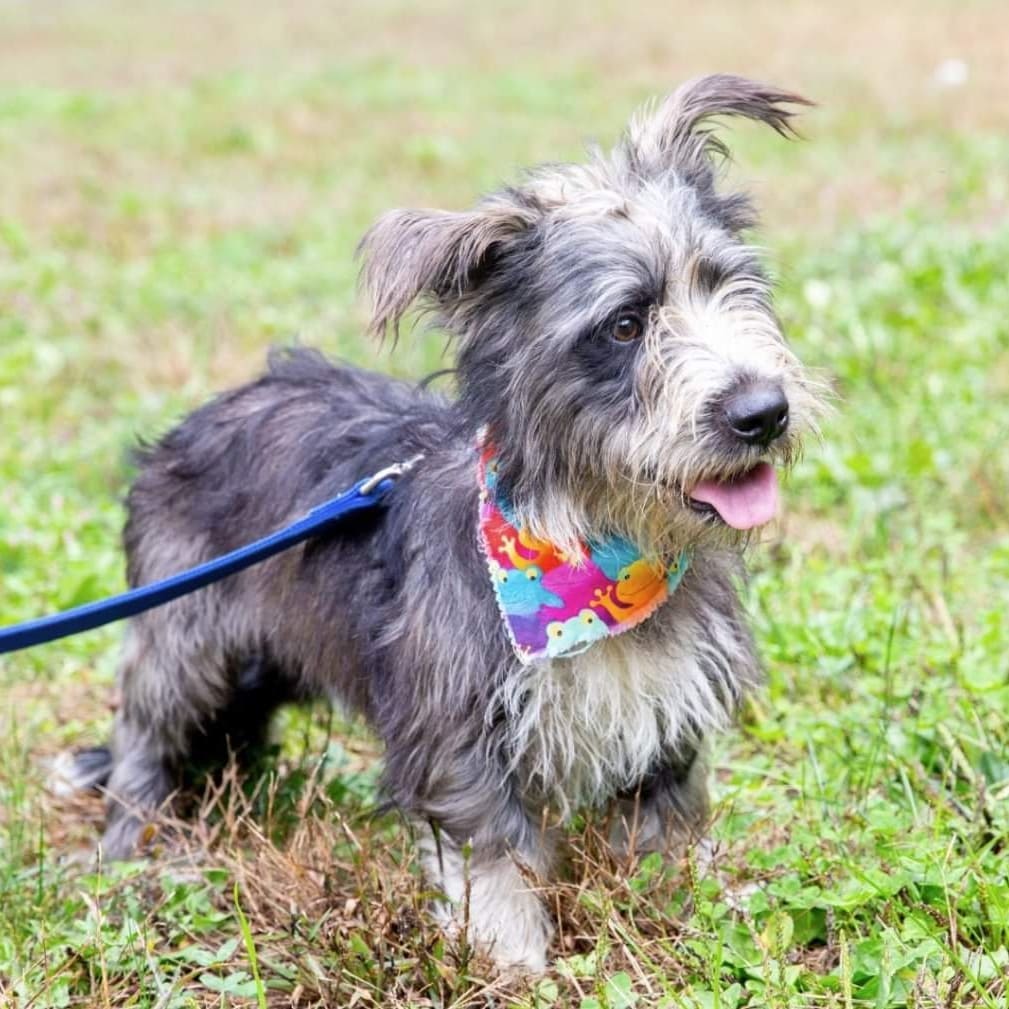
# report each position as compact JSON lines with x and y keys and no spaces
{"x":556,"y":605}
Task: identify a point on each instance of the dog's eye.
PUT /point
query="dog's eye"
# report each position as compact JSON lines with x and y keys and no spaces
{"x":628,"y":327}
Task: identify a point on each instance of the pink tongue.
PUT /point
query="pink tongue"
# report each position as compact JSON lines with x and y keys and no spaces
{"x":747,"y":501}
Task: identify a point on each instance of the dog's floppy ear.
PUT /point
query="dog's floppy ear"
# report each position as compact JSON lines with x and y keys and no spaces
{"x":675,"y":135}
{"x":436,"y":256}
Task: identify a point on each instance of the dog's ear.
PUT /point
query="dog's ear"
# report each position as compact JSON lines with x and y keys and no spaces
{"x":676,"y":135}
{"x":435,"y":256}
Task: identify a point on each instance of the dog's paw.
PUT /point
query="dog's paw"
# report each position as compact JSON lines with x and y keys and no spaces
{"x":518,"y":946}
{"x":506,"y":919}
{"x":72,"y":772}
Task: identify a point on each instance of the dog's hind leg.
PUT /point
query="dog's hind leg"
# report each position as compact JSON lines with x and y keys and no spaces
{"x":141,"y":780}
{"x":148,"y":739}
{"x":187,"y":701}
{"x":143,"y":762}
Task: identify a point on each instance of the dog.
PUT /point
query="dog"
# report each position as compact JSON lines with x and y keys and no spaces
{"x":543,"y":615}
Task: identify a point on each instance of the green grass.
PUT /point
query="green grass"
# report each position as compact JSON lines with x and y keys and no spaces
{"x":155,"y":239}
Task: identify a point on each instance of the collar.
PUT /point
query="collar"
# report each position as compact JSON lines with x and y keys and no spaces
{"x":556,"y":605}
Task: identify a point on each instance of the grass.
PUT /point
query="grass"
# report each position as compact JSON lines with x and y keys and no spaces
{"x":167,"y":211}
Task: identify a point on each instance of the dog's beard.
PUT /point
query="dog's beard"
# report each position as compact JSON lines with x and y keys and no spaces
{"x":658,"y":518}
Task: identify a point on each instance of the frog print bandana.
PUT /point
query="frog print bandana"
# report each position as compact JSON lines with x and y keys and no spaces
{"x":556,"y":605}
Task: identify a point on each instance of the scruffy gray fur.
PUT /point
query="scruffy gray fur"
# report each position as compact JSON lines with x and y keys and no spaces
{"x":608,"y":318}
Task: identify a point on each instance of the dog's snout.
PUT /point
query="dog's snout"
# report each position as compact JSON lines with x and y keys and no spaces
{"x":757,"y":413}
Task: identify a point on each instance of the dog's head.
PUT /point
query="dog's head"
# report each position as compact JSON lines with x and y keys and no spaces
{"x":616,"y":333}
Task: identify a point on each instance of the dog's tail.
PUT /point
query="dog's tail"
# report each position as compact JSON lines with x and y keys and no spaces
{"x":86,"y":770}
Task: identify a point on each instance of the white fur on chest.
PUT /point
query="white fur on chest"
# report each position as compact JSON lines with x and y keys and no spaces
{"x":585,"y":728}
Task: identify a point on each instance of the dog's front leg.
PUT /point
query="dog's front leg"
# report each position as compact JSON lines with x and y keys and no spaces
{"x":487,"y":886}
{"x":667,"y":811}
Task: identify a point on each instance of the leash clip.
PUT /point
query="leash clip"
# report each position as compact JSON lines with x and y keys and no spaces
{"x":397,"y":469}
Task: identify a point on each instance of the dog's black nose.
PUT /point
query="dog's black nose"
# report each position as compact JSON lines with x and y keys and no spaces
{"x":757,"y":412}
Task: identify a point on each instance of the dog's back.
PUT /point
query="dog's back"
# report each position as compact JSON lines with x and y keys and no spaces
{"x":262,"y":455}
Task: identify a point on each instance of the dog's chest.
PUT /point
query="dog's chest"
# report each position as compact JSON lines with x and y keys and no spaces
{"x":585,"y":728}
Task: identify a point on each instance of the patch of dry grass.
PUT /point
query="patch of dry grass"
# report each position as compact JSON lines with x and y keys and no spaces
{"x":339,"y":915}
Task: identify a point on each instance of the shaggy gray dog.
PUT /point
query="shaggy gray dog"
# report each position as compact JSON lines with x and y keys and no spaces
{"x":617,"y":346}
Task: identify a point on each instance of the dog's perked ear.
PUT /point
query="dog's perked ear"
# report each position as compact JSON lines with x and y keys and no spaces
{"x":435,"y":256}
{"x":676,"y":135}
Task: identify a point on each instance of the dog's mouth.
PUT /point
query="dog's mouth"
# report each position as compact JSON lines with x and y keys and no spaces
{"x":742,"y":502}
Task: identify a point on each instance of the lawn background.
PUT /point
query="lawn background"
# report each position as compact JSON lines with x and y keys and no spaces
{"x":182,"y":185}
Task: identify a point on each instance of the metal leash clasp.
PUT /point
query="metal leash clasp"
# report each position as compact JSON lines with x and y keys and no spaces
{"x":397,"y":469}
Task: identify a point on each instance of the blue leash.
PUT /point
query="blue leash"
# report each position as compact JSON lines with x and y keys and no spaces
{"x":367,"y":493}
